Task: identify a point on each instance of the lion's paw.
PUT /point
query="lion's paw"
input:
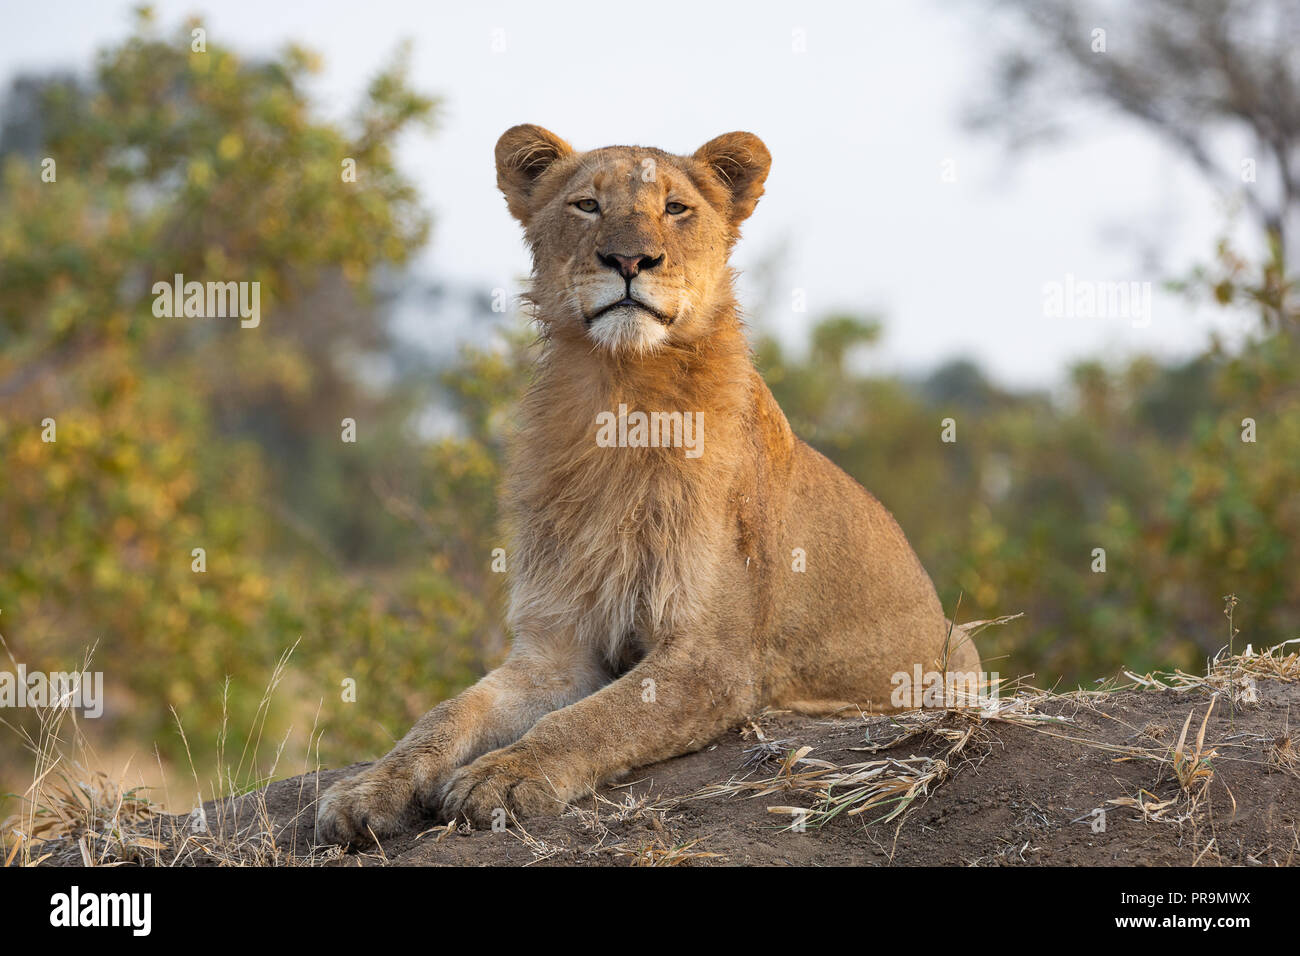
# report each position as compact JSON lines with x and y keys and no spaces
{"x":371,"y":805}
{"x":500,"y":785}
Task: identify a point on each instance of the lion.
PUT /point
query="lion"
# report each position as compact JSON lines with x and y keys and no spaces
{"x":657,"y":598}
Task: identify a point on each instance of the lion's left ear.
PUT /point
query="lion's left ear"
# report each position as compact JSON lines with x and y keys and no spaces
{"x":741,"y":162}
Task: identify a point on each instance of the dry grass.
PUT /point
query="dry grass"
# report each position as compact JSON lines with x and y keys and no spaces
{"x":63,"y":801}
{"x":657,"y":849}
{"x":1232,"y":675}
{"x":1193,"y":768}
{"x":603,"y":820}
{"x":888,"y":785}
{"x":1193,"y":764}
{"x":657,"y":853}
{"x":106,"y":821}
{"x":67,"y":806}
{"x":1282,"y":756}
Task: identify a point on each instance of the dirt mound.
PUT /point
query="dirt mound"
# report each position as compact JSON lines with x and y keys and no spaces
{"x":1080,"y":779}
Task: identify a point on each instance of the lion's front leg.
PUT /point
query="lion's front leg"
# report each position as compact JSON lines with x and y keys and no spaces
{"x":669,"y":704}
{"x":398,"y":790}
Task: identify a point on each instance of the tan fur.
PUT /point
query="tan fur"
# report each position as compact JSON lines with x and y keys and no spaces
{"x":653,"y":596}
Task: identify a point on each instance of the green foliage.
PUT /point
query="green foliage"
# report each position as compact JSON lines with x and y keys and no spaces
{"x":182,"y":433}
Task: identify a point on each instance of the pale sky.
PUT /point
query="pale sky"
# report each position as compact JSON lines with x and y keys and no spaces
{"x":861,"y":127}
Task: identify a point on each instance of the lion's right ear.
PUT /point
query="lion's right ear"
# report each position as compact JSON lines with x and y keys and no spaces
{"x":523,"y":154}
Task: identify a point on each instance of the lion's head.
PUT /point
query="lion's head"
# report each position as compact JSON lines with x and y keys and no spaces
{"x":630,"y":244}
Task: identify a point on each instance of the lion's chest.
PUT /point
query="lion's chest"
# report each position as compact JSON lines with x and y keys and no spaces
{"x":619,"y":565}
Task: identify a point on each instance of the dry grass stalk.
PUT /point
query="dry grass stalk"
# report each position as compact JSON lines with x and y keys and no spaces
{"x":1193,"y":768}
{"x":67,"y":807}
{"x":1152,"y":808}
{"x":658,"y":853}
{"x":1233,"y":675}
{"x":1281,"y":755}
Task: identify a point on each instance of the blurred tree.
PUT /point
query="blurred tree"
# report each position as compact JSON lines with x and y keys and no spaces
{"x":1189,"y":507}
{"x":173,"y":434}
{"x":1187,"y":70}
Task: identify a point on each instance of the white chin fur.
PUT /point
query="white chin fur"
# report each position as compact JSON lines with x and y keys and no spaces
{"x":627,"y":329}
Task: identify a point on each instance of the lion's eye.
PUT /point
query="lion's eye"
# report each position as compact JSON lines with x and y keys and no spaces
{"x":675,"y":208}
{"x":588,"y":205}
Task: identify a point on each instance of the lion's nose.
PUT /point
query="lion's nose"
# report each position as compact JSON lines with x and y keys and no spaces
{"x":629,"y":266}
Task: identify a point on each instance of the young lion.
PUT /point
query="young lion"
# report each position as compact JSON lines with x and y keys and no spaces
{"x":706,"y":565}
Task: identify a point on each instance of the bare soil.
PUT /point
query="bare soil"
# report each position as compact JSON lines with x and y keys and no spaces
{"x":1013,"y":793}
